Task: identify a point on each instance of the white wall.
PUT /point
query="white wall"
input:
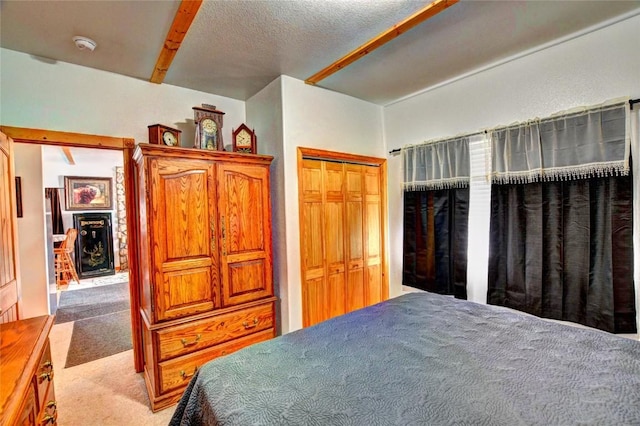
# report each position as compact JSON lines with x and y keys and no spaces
{"x":44,"y":94}
{"x":586,"y":70}
{"x":31,"y":232}
{"x":317,"y":118}
{"x":264,"y":115}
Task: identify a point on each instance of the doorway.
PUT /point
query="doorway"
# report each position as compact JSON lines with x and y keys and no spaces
{"x":126,"y":147}
{"x":85,"y":199}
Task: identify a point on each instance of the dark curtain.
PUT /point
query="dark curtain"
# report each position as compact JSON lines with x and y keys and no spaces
{"x":564,"y":250}
{"x":435,"y":240}
{"x":53,"y":195}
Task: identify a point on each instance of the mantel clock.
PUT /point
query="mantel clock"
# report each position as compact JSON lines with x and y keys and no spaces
{"x":208,"y":127}
{"x":164,"y":135}
{"x":244,"y":140}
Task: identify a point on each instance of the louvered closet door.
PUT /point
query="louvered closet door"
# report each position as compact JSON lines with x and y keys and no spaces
{"x":341,"y":238}
{"x":245,"y":219}
{"x":183,"y":239}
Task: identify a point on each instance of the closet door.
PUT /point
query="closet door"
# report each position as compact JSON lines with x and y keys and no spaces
{"x":312,"y":242}
{"x":354,"y":177}
{"x":245,"y":230}
{"x":374,"y":241}
{"x":183,"y":241}
{"x":334,"y":237}
{"x":341,"y":237}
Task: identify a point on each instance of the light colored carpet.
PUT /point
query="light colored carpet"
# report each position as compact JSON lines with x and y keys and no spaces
{"x":103,"y":392}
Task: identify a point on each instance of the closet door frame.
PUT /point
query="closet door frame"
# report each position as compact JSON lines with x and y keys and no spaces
{"x":334,"y":156}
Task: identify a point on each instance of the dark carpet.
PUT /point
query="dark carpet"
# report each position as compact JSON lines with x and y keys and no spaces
{"x":92,"y":302}
{"x":99,"y":337}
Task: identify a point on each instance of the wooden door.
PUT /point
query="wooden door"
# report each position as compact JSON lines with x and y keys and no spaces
{"x":375,"y":290}
{"x":341,"y":235}
{"x":314,"y":279}
{"x":9,"y":280}
{"x":245,"y":229}
{"x":183,"y":236}
{"x":355,"y":237}
{"x":334,"y":300}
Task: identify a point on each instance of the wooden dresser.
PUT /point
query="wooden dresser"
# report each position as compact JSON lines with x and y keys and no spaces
{"x":205,"y":256}
{"x":26,"y":373}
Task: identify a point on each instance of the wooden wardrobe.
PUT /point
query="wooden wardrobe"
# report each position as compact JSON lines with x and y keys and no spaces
{"x":205,"y":257}
{"x":342,"y":233}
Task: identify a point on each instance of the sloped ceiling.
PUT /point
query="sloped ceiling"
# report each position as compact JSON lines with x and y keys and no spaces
{"x":235,"y":48}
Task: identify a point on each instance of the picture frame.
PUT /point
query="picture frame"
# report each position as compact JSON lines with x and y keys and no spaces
{"x":88,"y":193}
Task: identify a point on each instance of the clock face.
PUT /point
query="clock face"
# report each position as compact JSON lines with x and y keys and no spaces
{"x":169,"y":138}
{"x":243,"y":139}
{"x":209,"y":126}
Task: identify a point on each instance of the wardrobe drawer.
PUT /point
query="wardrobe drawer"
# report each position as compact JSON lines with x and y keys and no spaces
{"x":177,"y":372}
{"x":200,"y":334}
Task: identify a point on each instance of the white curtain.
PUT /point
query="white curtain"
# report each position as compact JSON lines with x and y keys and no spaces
{"x":590,"y":142}
{"x":440,"y":164}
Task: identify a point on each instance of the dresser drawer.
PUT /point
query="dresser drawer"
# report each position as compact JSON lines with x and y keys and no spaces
{"x":44,"y":375}
{"x":177,"y":372}
{"x":197,"y":335}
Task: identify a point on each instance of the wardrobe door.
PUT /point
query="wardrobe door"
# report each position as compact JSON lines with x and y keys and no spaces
{"x":183,"y":241}
{"x":245,"y":230}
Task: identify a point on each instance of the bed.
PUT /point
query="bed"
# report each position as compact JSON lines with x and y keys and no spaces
{"x":423,"y":358}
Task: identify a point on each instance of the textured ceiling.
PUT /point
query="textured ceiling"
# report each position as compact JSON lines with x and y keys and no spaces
{"x":235,"y":48}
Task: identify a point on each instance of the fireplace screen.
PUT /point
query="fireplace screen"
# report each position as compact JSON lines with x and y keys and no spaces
{"x":94,"y":247}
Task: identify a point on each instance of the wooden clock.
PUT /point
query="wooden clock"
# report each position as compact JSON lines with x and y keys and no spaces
{"x":164,"y":135}
{"x":244,"y":140}
{"x":208,"y":127}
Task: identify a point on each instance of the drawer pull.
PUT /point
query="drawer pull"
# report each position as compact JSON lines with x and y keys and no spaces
{"x":247,"y":326}
{"x":186,"y":376}
{"x":47,"y":365}
{"x":186,"y":343}
{"x":53,"y":406}
{"x":45,"y":376}
{"x":49,"y":419}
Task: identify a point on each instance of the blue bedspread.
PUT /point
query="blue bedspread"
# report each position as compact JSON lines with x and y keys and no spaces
{"x":423,"y":359}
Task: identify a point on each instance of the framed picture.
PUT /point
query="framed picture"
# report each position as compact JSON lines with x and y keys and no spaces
{"x":87,"y":193}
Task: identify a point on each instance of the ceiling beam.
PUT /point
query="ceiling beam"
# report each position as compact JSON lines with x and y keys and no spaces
{"x":67,"y":153}
{"x":181,"y":23}
{"x":417,"y":18}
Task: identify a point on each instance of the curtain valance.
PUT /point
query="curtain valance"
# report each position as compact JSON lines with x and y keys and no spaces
{"x":441,"y":164}
{"x":593,"y":142}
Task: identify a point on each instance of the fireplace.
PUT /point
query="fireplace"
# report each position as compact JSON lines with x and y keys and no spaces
{"x":94,"y":246}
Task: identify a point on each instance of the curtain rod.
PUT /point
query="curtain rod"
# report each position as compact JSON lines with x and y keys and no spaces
{"x":632,"y":102}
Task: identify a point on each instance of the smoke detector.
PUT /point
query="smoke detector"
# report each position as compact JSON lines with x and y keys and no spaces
{"x":84,"y":43}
